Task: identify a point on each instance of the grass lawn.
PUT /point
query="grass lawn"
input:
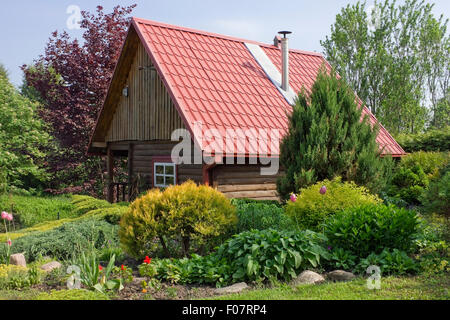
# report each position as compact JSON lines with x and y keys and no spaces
{"x":31,"y":210}
{"x":392,"y":288}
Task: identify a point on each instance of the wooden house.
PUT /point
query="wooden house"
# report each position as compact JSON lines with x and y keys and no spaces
{"x":170,"y":77}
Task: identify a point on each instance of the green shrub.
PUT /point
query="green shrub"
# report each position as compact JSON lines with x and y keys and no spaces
{"x":390,"y":262}
{"x":328,"y":136}
{"x":260,"y":216}
{"x":414,"y":173}
{"x":437,"y":197}
{"x":75,"y":294}
{"x":372,"y":228}
{"x":186,"y":213}
{"x":429,"y":162}
{"x":312,"y":208}
{"x":432,"y":140}
{"x":250,"y":256}
{"x":67,"y":240}
{"x":111,"y":214}
{"x":31,"y":210}
{"x":85,"y":204}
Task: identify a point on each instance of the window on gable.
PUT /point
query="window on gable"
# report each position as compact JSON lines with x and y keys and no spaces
{"x":164,"y":174}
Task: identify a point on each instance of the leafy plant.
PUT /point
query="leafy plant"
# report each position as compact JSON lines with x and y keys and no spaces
{"x":312,"y":208}
{"x":342,"y":259}
{"x":372,"y":228}
{"x":94,"y":276}
{"x":260,"y":216}
{"x":390,"y":262}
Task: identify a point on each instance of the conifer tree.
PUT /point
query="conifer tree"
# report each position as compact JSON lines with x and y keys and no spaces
{"x":328,"y":137}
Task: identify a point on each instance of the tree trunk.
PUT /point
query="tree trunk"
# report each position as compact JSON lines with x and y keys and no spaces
{"x":186,"y":244}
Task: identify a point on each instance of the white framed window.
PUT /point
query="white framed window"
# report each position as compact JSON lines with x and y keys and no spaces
{"x":164,"y":174}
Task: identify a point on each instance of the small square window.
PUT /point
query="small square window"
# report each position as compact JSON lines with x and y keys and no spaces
{"x":164,"y":174}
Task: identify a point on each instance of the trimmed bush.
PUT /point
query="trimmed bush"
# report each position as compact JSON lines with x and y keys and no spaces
{"x":312,"y":208}
{"x":371,"y":229}
{"x":186,"y":213}
{"x":84,"y":204}
{"x":67,"y":240}
{"x":260,"y":216}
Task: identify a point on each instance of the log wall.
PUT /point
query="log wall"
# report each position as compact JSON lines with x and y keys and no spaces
{"x":244,"y":181}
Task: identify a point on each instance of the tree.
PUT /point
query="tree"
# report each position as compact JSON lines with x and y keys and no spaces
{"x":395,"y":57}
{"x":328,"y":137}
{"x":22,"y":137}
{"x":71,"y":80}
{"x":3,"y":71}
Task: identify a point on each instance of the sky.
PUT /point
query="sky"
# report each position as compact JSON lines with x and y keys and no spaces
{"x":26,"y":25}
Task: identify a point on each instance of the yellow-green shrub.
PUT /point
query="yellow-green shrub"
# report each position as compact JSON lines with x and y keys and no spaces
{"x":183,"y":213}
{"x":312,"y":207}
{"x":84,"y":205}
{"x":6,"y":270}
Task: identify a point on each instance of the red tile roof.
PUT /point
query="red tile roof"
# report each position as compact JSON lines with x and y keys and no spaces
{"x":214,"y":79}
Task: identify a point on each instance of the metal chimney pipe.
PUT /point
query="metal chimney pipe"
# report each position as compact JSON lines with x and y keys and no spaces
{"x":285,"y":60}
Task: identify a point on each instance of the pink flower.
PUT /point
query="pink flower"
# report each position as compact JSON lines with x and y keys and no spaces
{"x":4,"y":214}
{"x":323,"y":189}
{"x":9,"y":242}
{"x":293,"y":197}
{"x":9,"y":217}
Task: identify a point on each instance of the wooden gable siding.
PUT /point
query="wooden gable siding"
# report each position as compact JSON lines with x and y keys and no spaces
{"x":244,"y":181}
{"x":148,"y":112}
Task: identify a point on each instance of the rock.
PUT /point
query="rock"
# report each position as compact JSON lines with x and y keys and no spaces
{"x":51,"y":266}
{"x":139,"y":279}
{"x":235,"y":288}
{"x":18,"y":259}
{"x":308,"y":277}
{"x":340,"y":275}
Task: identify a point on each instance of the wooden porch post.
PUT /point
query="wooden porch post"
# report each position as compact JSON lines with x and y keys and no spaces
{"x":130,"y":170}
{"x":110,"y":177}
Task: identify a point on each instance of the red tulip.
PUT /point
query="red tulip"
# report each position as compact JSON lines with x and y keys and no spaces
{"x":122,"y":267}
{"x":100,"y":267}
{"x":9,"y":242}
{"x":147,"y":260}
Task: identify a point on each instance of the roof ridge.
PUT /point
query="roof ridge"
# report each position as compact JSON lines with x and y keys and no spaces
{"x":221,"y":36}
